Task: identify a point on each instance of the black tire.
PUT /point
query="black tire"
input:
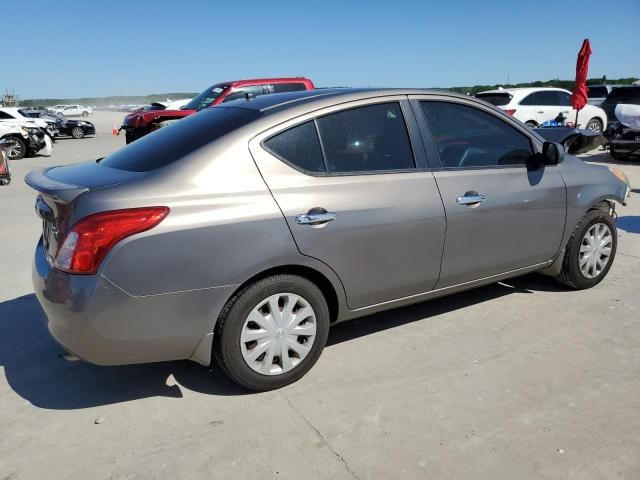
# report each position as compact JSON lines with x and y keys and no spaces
{"x":20,"y":149}
{"x":595,"y":125}
{"x":85,"y":114}
{"x":77,"y":132}
{"x":226,"y":340}
{"x":571,"y":275}
{"x":531,"y":124}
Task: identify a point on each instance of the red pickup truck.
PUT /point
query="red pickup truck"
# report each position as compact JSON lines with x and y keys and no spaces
{"x":138,"y":124}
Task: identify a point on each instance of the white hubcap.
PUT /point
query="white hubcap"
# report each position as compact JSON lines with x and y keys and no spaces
{"x":278,"y":334}
{"x":595,"y":250}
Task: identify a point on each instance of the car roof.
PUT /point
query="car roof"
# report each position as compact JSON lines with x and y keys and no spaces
{"x":257,"y":81}
{"x":329,"y":96}
{"x":11,"y":110}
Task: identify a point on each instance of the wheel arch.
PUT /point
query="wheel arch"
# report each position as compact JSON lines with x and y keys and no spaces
{"x":326,"y":286}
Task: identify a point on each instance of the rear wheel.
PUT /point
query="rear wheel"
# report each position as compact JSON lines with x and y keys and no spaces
{"x":77,"y":132}
{"x":272,"y":332}
{"x":590,"y":251}
{"x":85,"y":114}
{"x":16,"y":148}
{"x":595,"y":125}
{"x":531,"y":124}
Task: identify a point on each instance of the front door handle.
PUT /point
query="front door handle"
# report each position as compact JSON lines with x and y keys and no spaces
{"x":471,"y":199}
{"x":315,"y":216}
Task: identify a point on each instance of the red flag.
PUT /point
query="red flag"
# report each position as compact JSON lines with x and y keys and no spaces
{"x":579,"y":95}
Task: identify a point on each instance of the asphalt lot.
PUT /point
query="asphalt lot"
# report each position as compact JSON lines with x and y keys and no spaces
{"x":517,"y":380}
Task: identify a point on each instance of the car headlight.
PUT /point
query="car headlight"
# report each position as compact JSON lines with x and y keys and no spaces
{"x":26,"y":131}
{"x":620,"y":175}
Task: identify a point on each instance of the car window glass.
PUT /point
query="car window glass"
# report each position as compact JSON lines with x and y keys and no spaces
{"x":298,"y":146}
{"x":547,"y":98}
{"x":286,"y":87}
{"x":366,"y":139}
{"x":563,"y":99}
{"x":243,"y":91}
{"x":497,"y":99}
{"x":5,"y":116}
{"x":468,"y":137}
{"x":597,"y":92}
{"x":530,"y":99}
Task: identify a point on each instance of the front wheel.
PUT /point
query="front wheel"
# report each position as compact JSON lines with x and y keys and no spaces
{"x":85,"y":114}
{"x":594,"y":125}
{"x":77,"y":132}
{"x":590,"y":251}
{"x":272,"y":332}
{"x":16,"y":148}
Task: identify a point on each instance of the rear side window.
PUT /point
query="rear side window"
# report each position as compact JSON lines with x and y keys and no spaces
{"x":497,"y":99}
{"x":286,"y":87}
{"x":299,"y":146}
{"x":169,"y":144}
{"x":5,"y":116}
{"x":467,"y":137}
{"x":366,"y":139}
{"x":530,"y":99}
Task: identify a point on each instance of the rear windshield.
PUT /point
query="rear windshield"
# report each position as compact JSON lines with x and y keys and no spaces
{"x":497,"y":99}
{"x":171,"y":143}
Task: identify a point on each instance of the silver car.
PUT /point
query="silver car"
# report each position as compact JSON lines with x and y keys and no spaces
{"x":244,"y":232}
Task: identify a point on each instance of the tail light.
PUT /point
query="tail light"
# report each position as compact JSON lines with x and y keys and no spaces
{"x":510,"y":111}
{"x":89,"y":240}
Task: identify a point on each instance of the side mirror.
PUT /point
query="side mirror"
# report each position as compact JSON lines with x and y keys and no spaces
{"x":552,"y":153}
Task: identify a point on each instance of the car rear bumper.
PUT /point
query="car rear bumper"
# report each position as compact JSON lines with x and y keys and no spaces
{"x":102,"y":324}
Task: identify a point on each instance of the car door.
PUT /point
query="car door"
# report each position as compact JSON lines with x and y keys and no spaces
{"x":504,"y":213}
{"x":547,"y":105}
{"x":563,"y":99}
{"x":357,"y":197}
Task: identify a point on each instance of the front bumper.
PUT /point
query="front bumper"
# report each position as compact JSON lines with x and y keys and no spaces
{"x":100,"y":323}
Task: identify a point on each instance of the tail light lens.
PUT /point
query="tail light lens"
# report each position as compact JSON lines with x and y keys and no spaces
{"x":89,"y":240}
{"x":510,"y":111}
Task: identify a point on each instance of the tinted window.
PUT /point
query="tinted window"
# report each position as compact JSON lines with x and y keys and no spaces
{"x":286,"y":87}
{"x":563,"y":98}
{"x":497,"y":99}
{"x":469,"y":137}
{"x":299,"y":146}
{"x":530,"y":99}
{"x":243,"y":91}
{"x":597,"y":92}
{"x":166,"y":145}
{"x":366,"y":139}
{"x":625,"y":95}
{"x":546,"y":97}
{"x":205,"y":99}
{"x":5,"y":116}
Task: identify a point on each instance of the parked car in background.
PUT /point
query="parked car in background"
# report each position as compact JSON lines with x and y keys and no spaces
{"x":178,"y":104}
{"x":55,"y":108}
{"x":534,"y":106}
{"x":626,"y":95}
{"x":598,"y":93}
{"x":67,"y":127}
{"x":14,"y":114}
{"x":74,"y":111}
{"x":139,"y":124}
{"x":24,"y":140}
{"x":246,"y":230}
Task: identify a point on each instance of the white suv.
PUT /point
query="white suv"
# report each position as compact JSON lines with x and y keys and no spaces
{"x":74,"y":110}
{"x":534,"y":106}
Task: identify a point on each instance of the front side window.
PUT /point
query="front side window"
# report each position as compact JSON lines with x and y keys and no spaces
{"x":467,"y":137}
{"x":563,"y":99}
{"x":241,"y":92}
{"x":366,"y":139}
{"x":530,"y":99}
{"x":547,"y":97}
{"x":205,"y":99}
{"x":5,"y":116}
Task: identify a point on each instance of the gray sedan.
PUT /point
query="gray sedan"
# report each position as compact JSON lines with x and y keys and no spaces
{"x":242,"y":233}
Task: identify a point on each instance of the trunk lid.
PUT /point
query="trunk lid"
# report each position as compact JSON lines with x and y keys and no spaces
{"x":60,"y":187}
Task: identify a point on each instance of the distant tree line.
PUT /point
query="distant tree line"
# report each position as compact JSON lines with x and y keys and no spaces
{"x":566,"y":84}
{"x":162,"y":97}
{"x":104,"y":101}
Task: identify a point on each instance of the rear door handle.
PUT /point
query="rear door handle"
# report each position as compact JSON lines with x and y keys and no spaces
{"x":315,"y":216}
{"x":471,"y":199}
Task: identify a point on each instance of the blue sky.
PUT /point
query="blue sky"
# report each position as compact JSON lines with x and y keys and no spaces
{"x":99,"y":48}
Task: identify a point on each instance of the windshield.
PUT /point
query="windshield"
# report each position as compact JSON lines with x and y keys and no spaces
{"x":205,"y":99}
